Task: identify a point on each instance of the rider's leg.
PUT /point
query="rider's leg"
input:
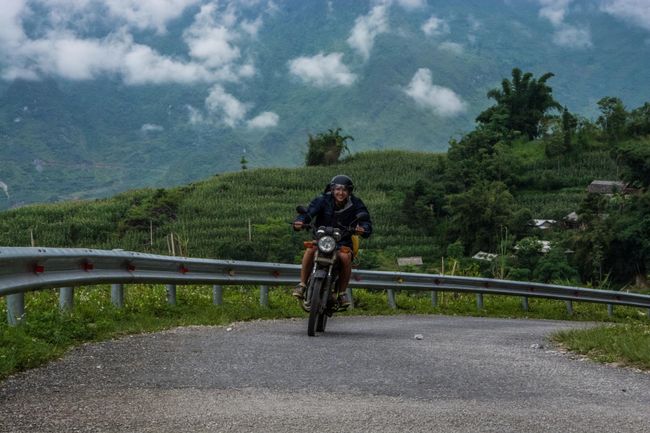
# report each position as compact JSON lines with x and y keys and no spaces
{"x":307,"y":264}
{"x":345,"y":262}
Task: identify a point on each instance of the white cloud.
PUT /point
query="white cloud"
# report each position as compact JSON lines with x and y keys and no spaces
{"x":211,"y":42}
{"x":195,"y":115}
{"x":635,"y":11}
{"x":441,"y":100}
{"x":142,"y":65}
{"x":435,"y":26}
{"x":252,"y":27}
{"x":148,"y":14}
{"x":566,"y":35}
{"x":11,"y":30}
{"x":5,"y":188}
{"x":62,"y":49}
{"x":572,"y":37}
{"x":412,"y":4}
{"x":322,"y":70}
{"x":367,"y":28}
{"x":266,"y":119}
{"x":221,"y":103}
{"x":151,"y":127}
{"x":452,"y":47}
{"x":554,"y":10}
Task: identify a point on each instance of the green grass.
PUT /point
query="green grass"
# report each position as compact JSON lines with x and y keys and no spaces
{"x":47,"y":333}
{"x":626,"y":344}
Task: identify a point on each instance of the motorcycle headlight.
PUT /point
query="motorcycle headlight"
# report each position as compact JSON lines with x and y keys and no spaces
{"x":326,"y":244}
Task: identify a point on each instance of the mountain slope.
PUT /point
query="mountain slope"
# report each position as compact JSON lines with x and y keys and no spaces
{"x":64,"y":137}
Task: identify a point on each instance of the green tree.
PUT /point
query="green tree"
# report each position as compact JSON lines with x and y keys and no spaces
{"x":528,"y":252}
{"x":639,"y":121}
{"x":480,"y":155}
{"x":326,"y":148}
{"x":423,"y":204}
{"x":628,"y":254}
{"x":590,"y":245}
{"x":612,"y":119}
{"x":554,"y":266}
{"x":521,"y":104}
{"x":569,"y":125}
{"x":478,"y":214}
{"x":635,"y":157}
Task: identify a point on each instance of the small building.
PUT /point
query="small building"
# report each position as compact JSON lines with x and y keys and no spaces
{"x":543,"y":224}
{"x":607,"y":187}
{"x":409,"y":261}
{"x":572,"y":217}
{"x":572,"y":220}
{"x":482,"y":255}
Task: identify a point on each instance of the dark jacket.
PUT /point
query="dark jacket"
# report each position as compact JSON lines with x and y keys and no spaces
{"x":324,"y":211}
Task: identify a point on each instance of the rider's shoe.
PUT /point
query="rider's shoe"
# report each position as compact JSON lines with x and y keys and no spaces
{"x":344,"y":301}
{"x":299,"y":291}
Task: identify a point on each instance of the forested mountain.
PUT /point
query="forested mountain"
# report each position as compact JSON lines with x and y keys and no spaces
{"x":98,"y":97}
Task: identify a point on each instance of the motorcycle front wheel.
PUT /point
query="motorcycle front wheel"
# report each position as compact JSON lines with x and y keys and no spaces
{"x":321,"y":322}
{"x":315,"y":312}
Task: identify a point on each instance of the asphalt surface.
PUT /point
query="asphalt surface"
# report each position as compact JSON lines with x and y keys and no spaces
{"x":366,"y":374}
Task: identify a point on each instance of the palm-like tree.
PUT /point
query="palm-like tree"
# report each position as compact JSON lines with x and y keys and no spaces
{"x":521,"y":104}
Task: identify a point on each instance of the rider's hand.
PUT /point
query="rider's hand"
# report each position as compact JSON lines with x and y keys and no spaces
{"x":297,"y":225}
{"x":359,"y":230}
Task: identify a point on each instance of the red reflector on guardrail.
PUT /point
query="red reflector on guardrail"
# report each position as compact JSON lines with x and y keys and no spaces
{"x":39,"y":269}
{"x":88,"y":266}
{"x":183,"y":270}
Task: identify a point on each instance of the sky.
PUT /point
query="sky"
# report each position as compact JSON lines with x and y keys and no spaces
{"x":61,"y":39}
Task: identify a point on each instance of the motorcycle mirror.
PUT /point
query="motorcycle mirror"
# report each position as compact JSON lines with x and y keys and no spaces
{"x":363,"y":216}
{"x":301,"y":210}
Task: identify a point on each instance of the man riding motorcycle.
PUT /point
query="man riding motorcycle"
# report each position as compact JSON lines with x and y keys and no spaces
{"x":336,"y":207}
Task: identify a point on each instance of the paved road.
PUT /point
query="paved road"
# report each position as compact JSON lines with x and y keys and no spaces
{"x":365,"y":375}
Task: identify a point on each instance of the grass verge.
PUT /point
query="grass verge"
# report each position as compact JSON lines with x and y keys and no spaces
{"x":47,"y":333}
{"x":625,"y":344}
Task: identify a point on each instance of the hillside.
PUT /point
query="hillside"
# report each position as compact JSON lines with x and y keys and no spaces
{"x":108,"y":101}
{"x":211,"y":217}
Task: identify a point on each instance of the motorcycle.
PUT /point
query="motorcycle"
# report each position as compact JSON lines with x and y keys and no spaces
{"x":320,"y":296}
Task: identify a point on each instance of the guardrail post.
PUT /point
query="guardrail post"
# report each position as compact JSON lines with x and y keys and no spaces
{"x":610,"y":310}
{"x":66,"y":298}
{"x":569,"y":308}
{"x":479,"y":301}
{"x":264,"y":296}
{"x":524,"y":303}
{"x":15,"y":308}
{"x":349,"y":293}
{"x":117,"y":295}
{"x":434,"y":298}
{"x":171,"y":293}
{"x":391,"y":298}
{"x":217,"y":294}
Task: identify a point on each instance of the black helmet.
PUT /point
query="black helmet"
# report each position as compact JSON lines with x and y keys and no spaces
{"x":341,"y":179}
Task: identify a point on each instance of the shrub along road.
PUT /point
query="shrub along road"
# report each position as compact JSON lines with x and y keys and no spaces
{"x":364,"y":374}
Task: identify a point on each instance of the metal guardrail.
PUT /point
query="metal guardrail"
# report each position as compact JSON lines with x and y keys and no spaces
{"x":27,"y":269}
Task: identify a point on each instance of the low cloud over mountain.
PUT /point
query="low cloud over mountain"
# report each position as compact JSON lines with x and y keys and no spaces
{"x":218,"y":76}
